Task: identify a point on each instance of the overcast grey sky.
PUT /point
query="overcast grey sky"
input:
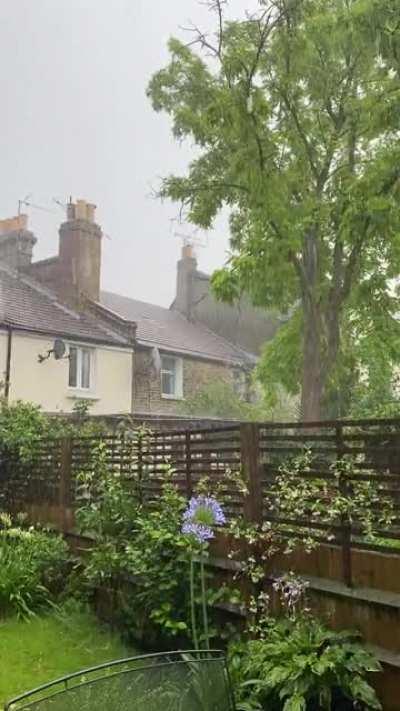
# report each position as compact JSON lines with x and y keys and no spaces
{"x":75,"y":121}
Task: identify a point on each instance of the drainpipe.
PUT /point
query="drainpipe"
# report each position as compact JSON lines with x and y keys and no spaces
{"x":8,"y":364}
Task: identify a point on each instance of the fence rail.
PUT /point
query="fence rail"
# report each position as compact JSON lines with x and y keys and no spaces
{"x":259,"y":453}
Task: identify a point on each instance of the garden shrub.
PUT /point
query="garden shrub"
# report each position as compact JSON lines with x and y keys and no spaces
{"x":33,"y":564}
{"x":299,"y":665}
{"x":139,"y":545}
{"x":21,"y":426}
{"x":295,"y":663}
{"x":140,"y":553}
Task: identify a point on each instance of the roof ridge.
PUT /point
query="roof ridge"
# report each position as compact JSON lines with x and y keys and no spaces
{"x":225,"y":340}
{"x":132,"y":298}
{"x":40,"y":288}
{"x":176,"y":332}
{"x":84,"y":322}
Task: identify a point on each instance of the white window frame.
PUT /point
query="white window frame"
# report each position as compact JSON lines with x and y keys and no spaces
{"x":80,"y":347}
{"x":178,"y":377}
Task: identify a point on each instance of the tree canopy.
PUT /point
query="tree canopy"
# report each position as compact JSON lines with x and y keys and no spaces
{"x":295,"y":111}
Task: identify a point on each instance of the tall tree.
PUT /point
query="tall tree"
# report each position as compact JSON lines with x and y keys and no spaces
{"x":289,"y":109}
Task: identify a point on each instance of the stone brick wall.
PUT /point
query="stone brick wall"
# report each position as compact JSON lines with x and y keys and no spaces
{"x":147,"y":384}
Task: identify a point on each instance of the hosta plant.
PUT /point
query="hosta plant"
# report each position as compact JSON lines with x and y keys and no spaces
{"x":299,"y":665}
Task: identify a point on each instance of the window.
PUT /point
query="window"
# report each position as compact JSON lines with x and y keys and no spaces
{"x":80,"y":367}
{"x":171,"y":377}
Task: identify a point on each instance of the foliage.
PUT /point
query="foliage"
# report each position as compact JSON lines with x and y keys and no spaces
{"x":300,"y":665}
{"x":158,"y":556}
{"x":298,"y":493}
{"x":141,"y":551}
{"x":137,"y":542}
{"x":107,"y":505}
{"x":21,"y":425}
{"x":219,"y":399}
{"x":378,"y":395}
{"x":33,"y":565}
{"x":48,"y":646}
{"x":294,"y":110}
{"x":144,"y":553}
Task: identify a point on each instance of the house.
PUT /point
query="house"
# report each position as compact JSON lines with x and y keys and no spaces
{"x":175,"y":357}
{"x":99,"y":348}
{"x":122,"y":354}
{"x":243,"y":324}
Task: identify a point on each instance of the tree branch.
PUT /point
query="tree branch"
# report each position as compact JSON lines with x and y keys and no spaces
{"x":300,"y":132}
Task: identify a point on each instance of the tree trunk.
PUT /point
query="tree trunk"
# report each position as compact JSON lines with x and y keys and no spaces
{"x":312,"y":385}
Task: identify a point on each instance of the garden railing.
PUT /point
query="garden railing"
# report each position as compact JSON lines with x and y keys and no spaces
{"x":173,"y":681}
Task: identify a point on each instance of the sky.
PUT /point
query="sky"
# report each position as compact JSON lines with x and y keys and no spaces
{"x":75,"y":121}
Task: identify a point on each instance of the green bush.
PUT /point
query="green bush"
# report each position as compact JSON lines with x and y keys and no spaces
{"x":21,"y":426}
{"x":139,"y":545}
{"x":33,"y":563}
{"x":299,"y":665}
{"x":140,"y":554}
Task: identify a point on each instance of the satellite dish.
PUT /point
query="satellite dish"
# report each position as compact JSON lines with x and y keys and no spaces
{"x":59,"y":349}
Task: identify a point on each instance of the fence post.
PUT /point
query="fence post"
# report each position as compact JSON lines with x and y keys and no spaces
{"x":344,"y":520}
{"x":250,"y":457}
{"x":64,"y":492}
{"x":139,"y":455}
{"x":189,"y":485}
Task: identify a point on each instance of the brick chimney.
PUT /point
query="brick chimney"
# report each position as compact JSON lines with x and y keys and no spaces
{"x":16,"y":242}
{"x":187,"y":266}
{"x":79,"y":258}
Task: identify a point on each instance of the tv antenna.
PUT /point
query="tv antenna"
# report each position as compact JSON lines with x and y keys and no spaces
{"x":26,"y":201}
{"x":193,"y":240}
{"x":60,"y":203}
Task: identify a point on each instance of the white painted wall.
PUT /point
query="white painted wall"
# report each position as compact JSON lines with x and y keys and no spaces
{"x":46,"y":384}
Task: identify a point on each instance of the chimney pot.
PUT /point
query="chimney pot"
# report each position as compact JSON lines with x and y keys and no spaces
{"x":81,"y":210}
{"x":14,"y":224}
{"x":80,"y":253}
{"x":188,"y":251}
{"x":16,"y":242}
{"x":184,"y":281}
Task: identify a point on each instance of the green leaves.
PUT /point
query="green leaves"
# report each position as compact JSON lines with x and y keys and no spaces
{"x":299,"y":663}
{"x":320,"y":500}
{"x":296,"y":703}
{"x":295,"y":120}
{"x":142,"y":545}
{"x":32,"y":565}
{"x":21,"y":426}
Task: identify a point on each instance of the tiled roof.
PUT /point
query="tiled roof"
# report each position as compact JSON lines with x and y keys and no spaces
{"x":27,"y":305}
{"x":169,"y":330}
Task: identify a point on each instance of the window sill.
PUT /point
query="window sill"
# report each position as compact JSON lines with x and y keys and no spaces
{"x":76,"y":394}
{"x":172,"y":397}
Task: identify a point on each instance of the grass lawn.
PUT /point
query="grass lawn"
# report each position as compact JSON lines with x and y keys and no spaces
{"x":43,"y":648}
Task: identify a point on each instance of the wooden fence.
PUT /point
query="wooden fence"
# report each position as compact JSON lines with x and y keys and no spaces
{"x":47,"y":487}
{"x":354,"y":580}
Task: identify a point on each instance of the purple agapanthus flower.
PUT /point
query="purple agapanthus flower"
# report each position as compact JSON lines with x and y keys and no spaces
{"x":201,"y":517}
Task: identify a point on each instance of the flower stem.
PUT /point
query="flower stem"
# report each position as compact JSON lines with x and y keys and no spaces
{"x":193,"y":605}
{"x":204,"y":602}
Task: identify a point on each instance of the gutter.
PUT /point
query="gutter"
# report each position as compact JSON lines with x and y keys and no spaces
{"x":79,"y":338}
{"x":7,"y":382}
{"x":243,"y":363}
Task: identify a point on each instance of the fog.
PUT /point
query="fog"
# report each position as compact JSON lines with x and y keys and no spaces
{"x":75,"y":121}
